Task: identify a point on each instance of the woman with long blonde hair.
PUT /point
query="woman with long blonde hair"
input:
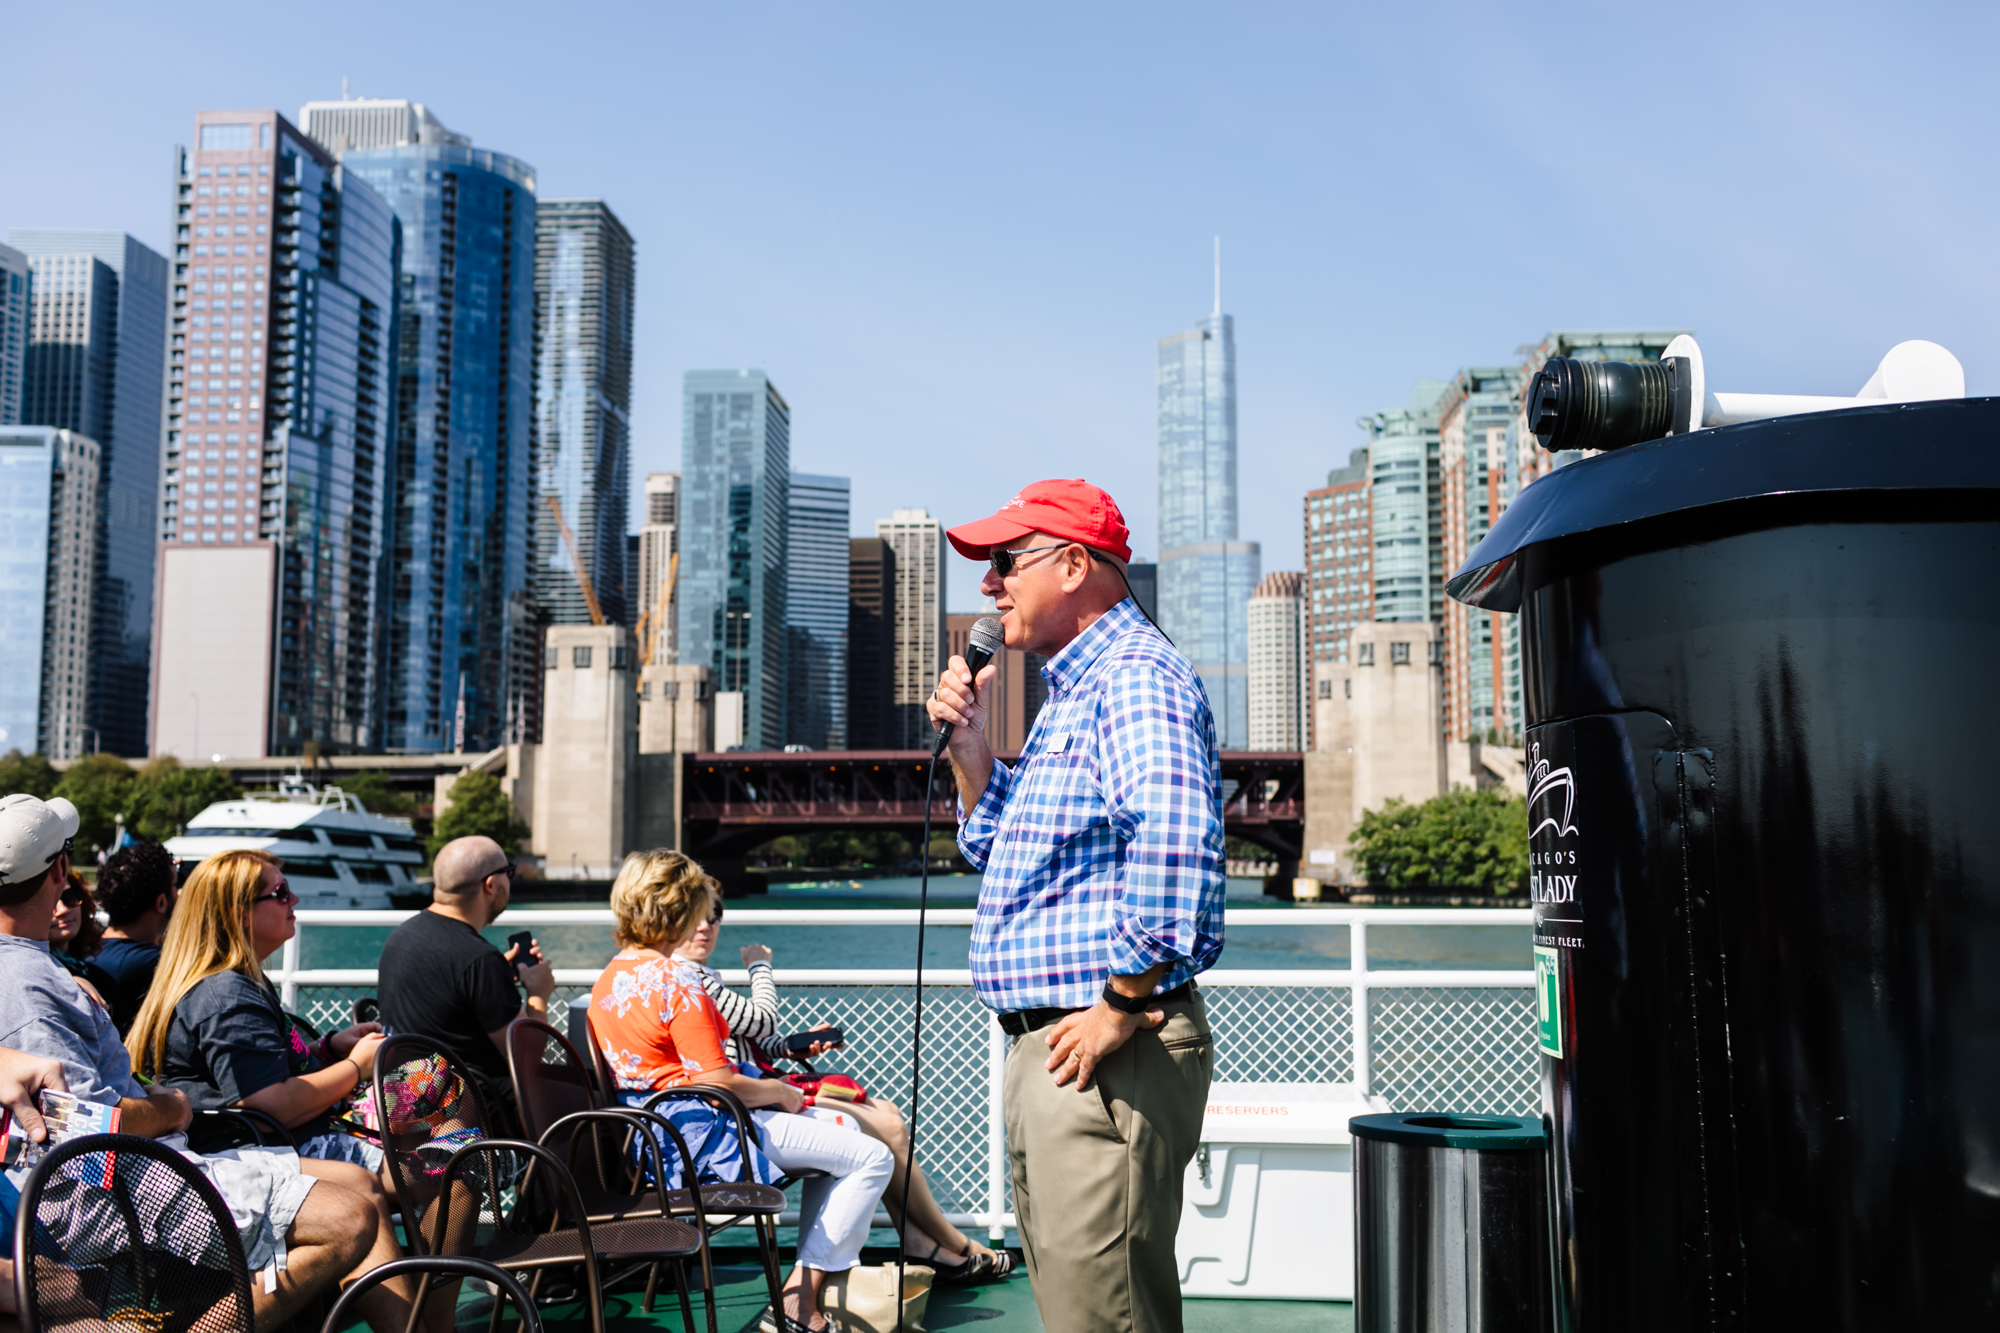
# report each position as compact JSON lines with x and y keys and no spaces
{"x":212,"y":1025}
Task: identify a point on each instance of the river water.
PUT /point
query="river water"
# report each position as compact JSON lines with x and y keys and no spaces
{"x":1299,"y":944}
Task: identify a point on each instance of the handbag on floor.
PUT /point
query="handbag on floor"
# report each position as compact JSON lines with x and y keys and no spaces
{"x":862,"y":1300}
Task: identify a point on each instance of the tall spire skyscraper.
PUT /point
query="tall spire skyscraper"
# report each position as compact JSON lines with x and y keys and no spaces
{"x":1206,"y":574}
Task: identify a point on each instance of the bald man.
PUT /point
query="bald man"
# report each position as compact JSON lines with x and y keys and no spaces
{"x":441,"y":979}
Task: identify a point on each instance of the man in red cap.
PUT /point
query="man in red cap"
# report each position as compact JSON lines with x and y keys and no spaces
{"x":1100,"y":901}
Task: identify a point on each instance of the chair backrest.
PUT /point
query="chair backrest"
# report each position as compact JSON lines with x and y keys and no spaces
{"x":347,"y":1310}
{"x":551,"y":1081}
{"x":116,"y":1231}
{"x":607,"y":1086}
{"x":425,"y":1110}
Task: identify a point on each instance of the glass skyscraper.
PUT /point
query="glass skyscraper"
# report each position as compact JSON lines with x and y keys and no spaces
{"x":1407,"y":507}
{"x":736,"y":456}
{"x":1206,"y":575}
{"x":583,"y":405}
{"x":461,"y":650}
{"x":13,"y":331}
{"x":278,"y":412}
{"x":96,"y":350}
{"x":49,"y":504}
{"x":816,"y":611}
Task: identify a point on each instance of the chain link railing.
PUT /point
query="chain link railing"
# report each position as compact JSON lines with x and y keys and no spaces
{"x":1438,"y":1040}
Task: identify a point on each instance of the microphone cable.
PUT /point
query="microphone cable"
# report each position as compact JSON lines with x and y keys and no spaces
{"x":901,"y":1220}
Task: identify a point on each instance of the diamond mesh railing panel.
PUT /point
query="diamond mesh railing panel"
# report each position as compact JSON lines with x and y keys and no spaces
{"x":1468,"y":1049}
{"x":951,"y":1127}
{"x":331,"y":1008}
{"x":1281,"y":1034}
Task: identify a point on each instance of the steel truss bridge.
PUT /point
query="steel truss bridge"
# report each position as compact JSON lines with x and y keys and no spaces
{"x":734,"y":801}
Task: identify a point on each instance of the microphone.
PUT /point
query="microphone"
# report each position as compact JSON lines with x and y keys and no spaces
{"x":988,"y":637}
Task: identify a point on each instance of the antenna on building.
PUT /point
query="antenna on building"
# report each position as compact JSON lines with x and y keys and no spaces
{"x":1218,"y":277}
{"x":343,"y":87}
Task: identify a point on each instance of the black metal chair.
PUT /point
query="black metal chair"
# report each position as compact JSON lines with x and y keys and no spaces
{"x":346,"y":1311}
{"x":553,"y":1086}
{"x":236,"y":1127}
{"x":512,"y":1203}
{"x":121,"y":1232}
{"x":765,"y":1217}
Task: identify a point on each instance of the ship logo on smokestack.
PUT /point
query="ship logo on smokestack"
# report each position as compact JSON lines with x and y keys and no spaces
{"x":1542,"y":780}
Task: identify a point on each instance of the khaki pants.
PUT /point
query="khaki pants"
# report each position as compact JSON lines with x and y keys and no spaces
{"x":1097,"y":1174}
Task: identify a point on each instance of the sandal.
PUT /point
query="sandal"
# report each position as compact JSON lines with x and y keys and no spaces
{"x":781,"y":1322}
{"x":978,"y":1269}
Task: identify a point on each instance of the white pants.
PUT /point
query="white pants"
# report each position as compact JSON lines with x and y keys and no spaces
{"x":834,"y":1209}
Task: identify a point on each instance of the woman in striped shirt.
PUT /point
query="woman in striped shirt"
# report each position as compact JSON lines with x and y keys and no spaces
{"x":928,"y":1235}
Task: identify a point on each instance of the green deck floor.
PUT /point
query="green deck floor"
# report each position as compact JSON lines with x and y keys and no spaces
{"x":1002,"y":1307}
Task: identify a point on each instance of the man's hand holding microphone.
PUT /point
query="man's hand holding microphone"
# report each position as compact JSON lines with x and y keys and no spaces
{"x":958,"y":709}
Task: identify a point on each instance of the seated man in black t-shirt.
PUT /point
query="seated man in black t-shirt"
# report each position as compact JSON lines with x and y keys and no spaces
{"x":440,"y":979}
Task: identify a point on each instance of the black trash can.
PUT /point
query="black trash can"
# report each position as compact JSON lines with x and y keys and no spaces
{"x":1760,"y":677}
{"x":1451,"y":1224}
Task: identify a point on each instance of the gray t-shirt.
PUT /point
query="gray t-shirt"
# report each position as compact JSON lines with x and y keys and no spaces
{"x":44,"y":1012}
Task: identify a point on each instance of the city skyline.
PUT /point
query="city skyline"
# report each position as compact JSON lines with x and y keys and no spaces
{"x":95,"y":363}
{"x":995,"y":307}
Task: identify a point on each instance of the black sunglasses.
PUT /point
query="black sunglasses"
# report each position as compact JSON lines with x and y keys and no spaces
{"x":507,"y":870}
{"x":73,"y":897}
{"x":282,"y":894}
{"x":1005,"y":561}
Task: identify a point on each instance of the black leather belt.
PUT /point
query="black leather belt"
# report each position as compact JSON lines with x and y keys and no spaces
{"x":1023,"y":1021}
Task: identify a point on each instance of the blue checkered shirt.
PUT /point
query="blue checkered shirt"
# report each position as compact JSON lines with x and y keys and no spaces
{"x":1102,"y":846}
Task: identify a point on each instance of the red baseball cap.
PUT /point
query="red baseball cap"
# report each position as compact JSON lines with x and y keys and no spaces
{"x":1072,"y":509}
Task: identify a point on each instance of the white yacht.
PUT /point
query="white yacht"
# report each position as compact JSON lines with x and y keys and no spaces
{"x":336,"y":854}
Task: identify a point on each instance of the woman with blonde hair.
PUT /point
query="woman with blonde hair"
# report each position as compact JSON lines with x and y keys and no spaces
{"x":212,"y":1027}
{"x":659,"y":1029}
{"x":928,"y":1235}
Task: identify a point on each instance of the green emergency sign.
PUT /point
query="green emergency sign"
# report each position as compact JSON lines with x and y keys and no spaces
{"x":1548,"y":1001}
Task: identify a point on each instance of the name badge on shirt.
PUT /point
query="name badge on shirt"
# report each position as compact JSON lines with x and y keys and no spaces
{"x":1059,"y":744}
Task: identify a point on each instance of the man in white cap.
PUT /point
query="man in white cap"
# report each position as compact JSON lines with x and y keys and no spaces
{"x":298,"y":1239}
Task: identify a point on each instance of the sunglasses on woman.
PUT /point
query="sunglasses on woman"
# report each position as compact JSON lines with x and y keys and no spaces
{"x":73,"y":897}
{"x":282,"y":894}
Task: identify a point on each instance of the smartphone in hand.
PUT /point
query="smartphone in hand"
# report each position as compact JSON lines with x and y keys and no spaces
{"x":523,"y":943}
{"x":801,"y":1042}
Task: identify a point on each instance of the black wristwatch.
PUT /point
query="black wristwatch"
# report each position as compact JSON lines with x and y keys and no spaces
{"x":1126,"y":1004}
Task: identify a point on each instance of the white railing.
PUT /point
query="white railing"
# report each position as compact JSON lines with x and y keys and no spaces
{"x":1438,"y":1039}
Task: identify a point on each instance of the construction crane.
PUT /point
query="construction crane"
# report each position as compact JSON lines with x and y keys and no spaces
{"x":576,"y":558}
{"x":656,"y":615}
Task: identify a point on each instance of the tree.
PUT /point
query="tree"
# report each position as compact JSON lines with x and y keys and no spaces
{"x":1462,"y":840}
{"x":31,"y":773}
{"x":100,"y":786}
{"x":479,"y":805}
{"x":166,"y":796}
{"x":377,"y":794}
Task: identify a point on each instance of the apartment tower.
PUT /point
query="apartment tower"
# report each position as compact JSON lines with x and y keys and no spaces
{"x":659,"y":542}
{"x":736,"y":452}
{"x":871,"y":645}
{"x":816,"y":611}
{"x":583,"y":407}
{"x":276,"y":484}
{"x":462,"y":649}
{"x":1279,"y":667}
{"x":49,"y":506}
{"x":13,"y":331}
{"x":919,"y":543}
{"x":96,"y":350}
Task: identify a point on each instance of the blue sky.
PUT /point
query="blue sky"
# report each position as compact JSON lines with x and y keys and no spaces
{"x":952,"y":234}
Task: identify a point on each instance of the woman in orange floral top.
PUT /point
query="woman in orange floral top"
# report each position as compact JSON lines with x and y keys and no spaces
{"x":659,"y":1029}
